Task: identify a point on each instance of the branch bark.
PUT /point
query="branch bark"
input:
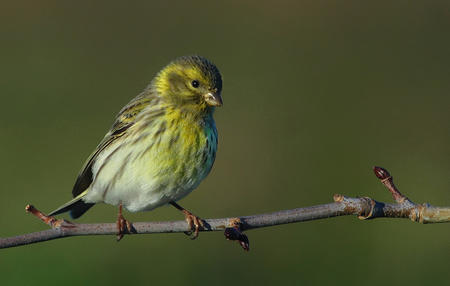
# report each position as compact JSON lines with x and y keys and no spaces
{"x":364,"y":208}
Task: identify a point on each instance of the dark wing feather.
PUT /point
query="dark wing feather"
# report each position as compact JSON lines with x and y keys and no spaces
{"x":124,"y":120}
{"x":84,"y":179}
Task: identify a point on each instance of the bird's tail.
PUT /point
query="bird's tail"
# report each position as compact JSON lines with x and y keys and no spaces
{"x":76,"y":206}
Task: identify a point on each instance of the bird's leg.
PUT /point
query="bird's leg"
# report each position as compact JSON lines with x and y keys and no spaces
{"x":123,"y":225}
{"x":194,"y":222}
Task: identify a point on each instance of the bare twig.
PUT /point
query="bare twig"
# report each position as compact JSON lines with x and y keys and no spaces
{"x":364,"y":208}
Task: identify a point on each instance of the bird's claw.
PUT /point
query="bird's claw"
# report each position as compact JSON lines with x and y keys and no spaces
{"x":123,"y":225}
{"x":195,"y":224}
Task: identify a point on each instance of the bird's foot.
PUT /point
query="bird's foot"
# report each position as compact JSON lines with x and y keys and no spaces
{"x":123,"y":226}
{"x":195,"y":224}
{"x":234,"y":232}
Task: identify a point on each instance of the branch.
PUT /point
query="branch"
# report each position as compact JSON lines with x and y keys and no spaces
{"x":364,"y":208}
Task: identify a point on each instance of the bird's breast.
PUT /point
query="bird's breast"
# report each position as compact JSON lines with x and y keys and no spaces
{"x":161,"y":163}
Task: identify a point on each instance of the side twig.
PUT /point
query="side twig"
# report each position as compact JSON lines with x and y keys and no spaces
{"x":364,"y":208}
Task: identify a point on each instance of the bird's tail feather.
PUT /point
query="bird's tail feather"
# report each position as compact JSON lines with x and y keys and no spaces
{"x":76,"y":207}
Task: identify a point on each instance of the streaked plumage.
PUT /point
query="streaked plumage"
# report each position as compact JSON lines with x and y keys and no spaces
{"x":161,"y":146}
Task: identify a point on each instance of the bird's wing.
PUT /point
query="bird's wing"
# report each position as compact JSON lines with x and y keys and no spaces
{"x":124,"y":120}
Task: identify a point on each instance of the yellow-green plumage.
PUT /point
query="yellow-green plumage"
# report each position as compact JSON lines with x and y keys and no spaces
{"x":161,"y":145}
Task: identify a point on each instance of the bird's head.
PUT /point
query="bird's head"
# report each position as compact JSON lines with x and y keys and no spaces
{"x":191,"y":83}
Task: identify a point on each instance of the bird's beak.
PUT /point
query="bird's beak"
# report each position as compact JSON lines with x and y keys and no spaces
{"x":213,"y":99}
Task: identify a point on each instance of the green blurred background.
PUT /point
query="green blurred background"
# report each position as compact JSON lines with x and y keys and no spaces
{"x":315,"y":92}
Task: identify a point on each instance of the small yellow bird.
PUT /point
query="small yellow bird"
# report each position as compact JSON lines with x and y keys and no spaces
{"x":161,"y":146}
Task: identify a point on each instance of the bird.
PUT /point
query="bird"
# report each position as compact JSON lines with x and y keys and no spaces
{"x":160,"y":147}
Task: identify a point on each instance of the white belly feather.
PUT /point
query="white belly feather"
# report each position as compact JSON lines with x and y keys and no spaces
{"x":141,"y":180}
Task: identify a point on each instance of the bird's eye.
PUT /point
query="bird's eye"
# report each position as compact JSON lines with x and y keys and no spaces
{"x":195,"y":83}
